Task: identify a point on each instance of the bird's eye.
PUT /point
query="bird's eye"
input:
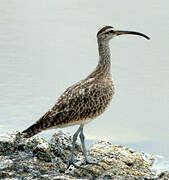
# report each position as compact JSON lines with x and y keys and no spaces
{"x":111,"y":31}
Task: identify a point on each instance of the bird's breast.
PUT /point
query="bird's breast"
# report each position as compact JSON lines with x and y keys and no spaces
{"x":97,"y":99}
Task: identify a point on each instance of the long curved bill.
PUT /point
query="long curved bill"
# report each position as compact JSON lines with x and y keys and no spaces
{"x":119,"y":32}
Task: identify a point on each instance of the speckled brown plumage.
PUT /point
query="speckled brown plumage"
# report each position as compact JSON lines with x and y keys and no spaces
{"x":84,"y":100}
{"x":80,"y":103}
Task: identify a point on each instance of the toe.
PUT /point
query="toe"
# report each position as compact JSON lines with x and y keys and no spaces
{"x":72,"y":163}
{"x":87,"y":161}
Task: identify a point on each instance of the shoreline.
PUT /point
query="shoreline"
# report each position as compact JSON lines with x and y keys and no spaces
{"x":36,"y":158}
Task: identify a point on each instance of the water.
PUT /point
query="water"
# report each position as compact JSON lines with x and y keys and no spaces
{"x":45,"y":46}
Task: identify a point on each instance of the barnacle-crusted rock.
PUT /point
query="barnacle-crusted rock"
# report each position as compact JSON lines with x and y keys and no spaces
{"x":115,"y":162}
{"x":36,"y":158}
{"x":164,"y":175}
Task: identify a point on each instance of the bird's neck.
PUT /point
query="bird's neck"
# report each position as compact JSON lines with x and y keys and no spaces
{"x":104,"y":65}
{"x":103,"y":69}
{"x":104,"y":52}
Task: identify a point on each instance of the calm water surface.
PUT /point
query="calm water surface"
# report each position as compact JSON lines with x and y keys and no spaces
{"x":45,"y":46}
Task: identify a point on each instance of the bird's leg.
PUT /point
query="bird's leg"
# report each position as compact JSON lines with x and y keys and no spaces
{"x":82,"y":138}
{"x":71,"y":160}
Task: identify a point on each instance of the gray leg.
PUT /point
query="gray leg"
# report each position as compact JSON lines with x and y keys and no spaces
{"x":82,"y":138}
{"x":71,"y":161}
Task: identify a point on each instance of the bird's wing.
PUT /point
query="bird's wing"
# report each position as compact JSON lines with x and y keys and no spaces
{"x":80,"y":102}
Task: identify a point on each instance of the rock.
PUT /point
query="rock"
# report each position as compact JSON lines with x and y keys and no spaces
{"x":36,"y":158}
{"x":164,"y":175}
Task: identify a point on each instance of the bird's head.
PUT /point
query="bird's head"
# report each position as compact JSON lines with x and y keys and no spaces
{"x":108,"y":32}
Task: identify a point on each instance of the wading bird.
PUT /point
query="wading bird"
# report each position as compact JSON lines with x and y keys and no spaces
{"x":85,"y":100}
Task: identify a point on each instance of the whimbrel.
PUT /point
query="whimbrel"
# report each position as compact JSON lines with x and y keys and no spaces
{"x":86,"y":99}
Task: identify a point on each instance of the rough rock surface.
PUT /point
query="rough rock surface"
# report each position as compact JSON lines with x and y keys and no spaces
{"x":36,"y":158}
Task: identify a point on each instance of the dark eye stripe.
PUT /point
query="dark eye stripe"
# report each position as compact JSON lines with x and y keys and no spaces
{"x":111,"y":31}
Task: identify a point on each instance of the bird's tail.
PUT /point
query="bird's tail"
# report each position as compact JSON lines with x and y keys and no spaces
{"x":31,"y":131}
{"x":44,"y":123}
{"x":36,"y":128}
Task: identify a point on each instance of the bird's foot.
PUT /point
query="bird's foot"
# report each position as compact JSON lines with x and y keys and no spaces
{"x":73,"y":162}
{"x":87,"y":161}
